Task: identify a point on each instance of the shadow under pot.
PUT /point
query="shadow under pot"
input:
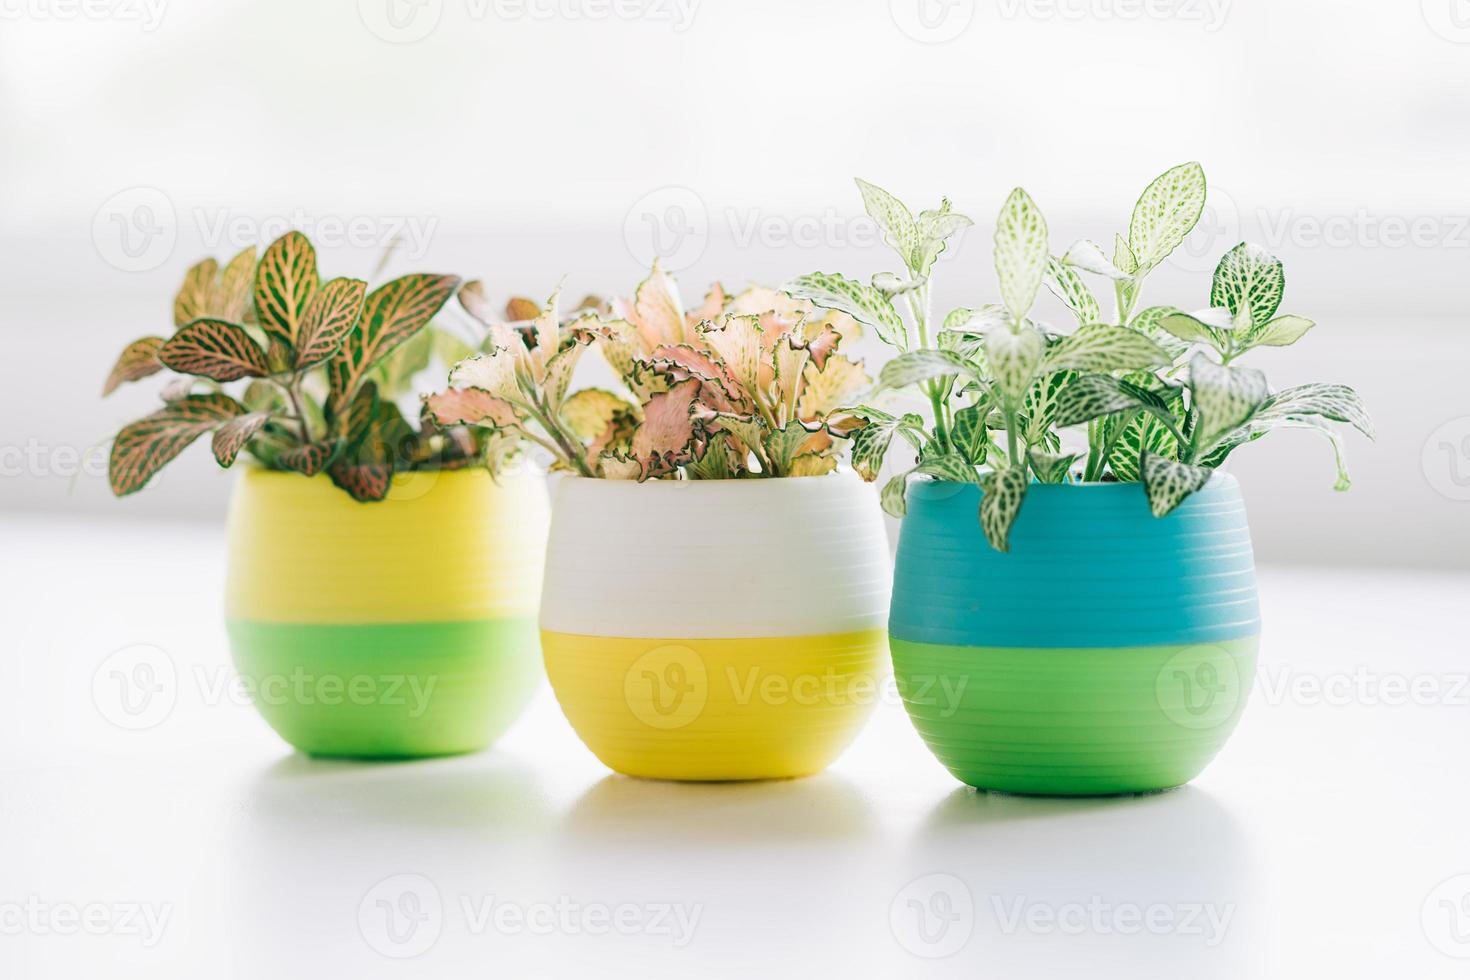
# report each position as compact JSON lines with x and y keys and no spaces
{"x":1109,"y":651}
{"x":716,"y":629}
{"x":400,"y":628}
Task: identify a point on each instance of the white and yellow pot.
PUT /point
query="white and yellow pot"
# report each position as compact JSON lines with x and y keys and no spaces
{"x":716,"y":629}
{"x":404,"y":627}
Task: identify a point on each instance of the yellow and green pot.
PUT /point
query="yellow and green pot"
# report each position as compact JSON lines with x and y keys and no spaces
{"x":716,"y":630}
{"x":1109,"y":651}
{"x":400,"y":628}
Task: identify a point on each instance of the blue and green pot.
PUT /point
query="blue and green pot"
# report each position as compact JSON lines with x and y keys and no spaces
{"x":395,"y":629}
{"x":1110,"y":651}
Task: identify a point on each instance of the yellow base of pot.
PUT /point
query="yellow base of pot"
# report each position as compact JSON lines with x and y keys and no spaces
{"x":717,"y":709}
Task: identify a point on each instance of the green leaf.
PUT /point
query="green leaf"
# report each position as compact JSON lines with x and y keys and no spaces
{"x":1190,"y":329}
{"x":231,"y":437}
{"x":1149,"y":322}
{"x":1040,"y":407}
{"x":1089,"y":257}
{"x":144,"y":447}
{"x":935,"y":228}
{"x":1337,"y":402}
{"x":1282,"y":331}
{"x":1123,"y":256}
{"x":1021,"y":252}
{"x":1051,"y":467}
{"x":1015,"y":357}
{"x":870,"y":443}
{"x":1224,"y":397}
{"x":865,"y":304}
{"x":895,"y":220}
{"x":969,"y":433}
{"x":1095,"y":395}
{"x":1002,"y":494}
{"x":214,"y":349}
{"x":893,"y":496}
{"x":1249,"y":279}
{"x":330,"y":315}
{"x":1167,"y":482}
{"x":912,"y":367}
{"x":391,"y":314}
{"x":1105,"y":347}
{"x":1141,"y":432}
{"x":1166,"y":211}
{"x":137,"y":361}
{"x":284,"y":281}
{"x":975,"y":320}
{"x":1068,"y":287}
{"x":950,"y":467}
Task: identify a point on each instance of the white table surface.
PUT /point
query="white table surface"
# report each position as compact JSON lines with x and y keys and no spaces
{"x":1330,"y":838}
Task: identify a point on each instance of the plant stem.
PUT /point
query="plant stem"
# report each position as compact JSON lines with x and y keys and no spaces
{"x":294,"y":394}
{"x":920,"y":313}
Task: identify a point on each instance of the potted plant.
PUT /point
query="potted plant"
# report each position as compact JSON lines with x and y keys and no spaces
{"x":1076,"y":617}
{"x":715,"y":597}
{"x":381,"y":587}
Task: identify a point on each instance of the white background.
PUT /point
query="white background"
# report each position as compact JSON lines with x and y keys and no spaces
{"x":526,"y":142}
{"x":523,"y":141}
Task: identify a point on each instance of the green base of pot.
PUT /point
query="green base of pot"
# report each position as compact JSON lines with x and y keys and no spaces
{"x":1076,"y":721}
{"x":389,"y":690}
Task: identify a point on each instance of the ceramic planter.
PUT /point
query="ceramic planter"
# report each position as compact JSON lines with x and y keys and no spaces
{"x":1109,"y":652}
{"x":399,"y":628}
{"x":711,"y":630}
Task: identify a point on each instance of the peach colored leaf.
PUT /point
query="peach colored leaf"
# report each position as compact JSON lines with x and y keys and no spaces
{"x":812,"y":464}
{"x":614,"y":467}
{"x":474,"y":302}
{"x":669,"y":435}
{"x":588,"y":412}
{"x":472,"y":406}
{"x":658,"y":314}
{"x":736,"y":340}
{"x":838,"y":385}
{"x":823,"y":344}
{"x":713,"y":306}
{"x":519,"y":308}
